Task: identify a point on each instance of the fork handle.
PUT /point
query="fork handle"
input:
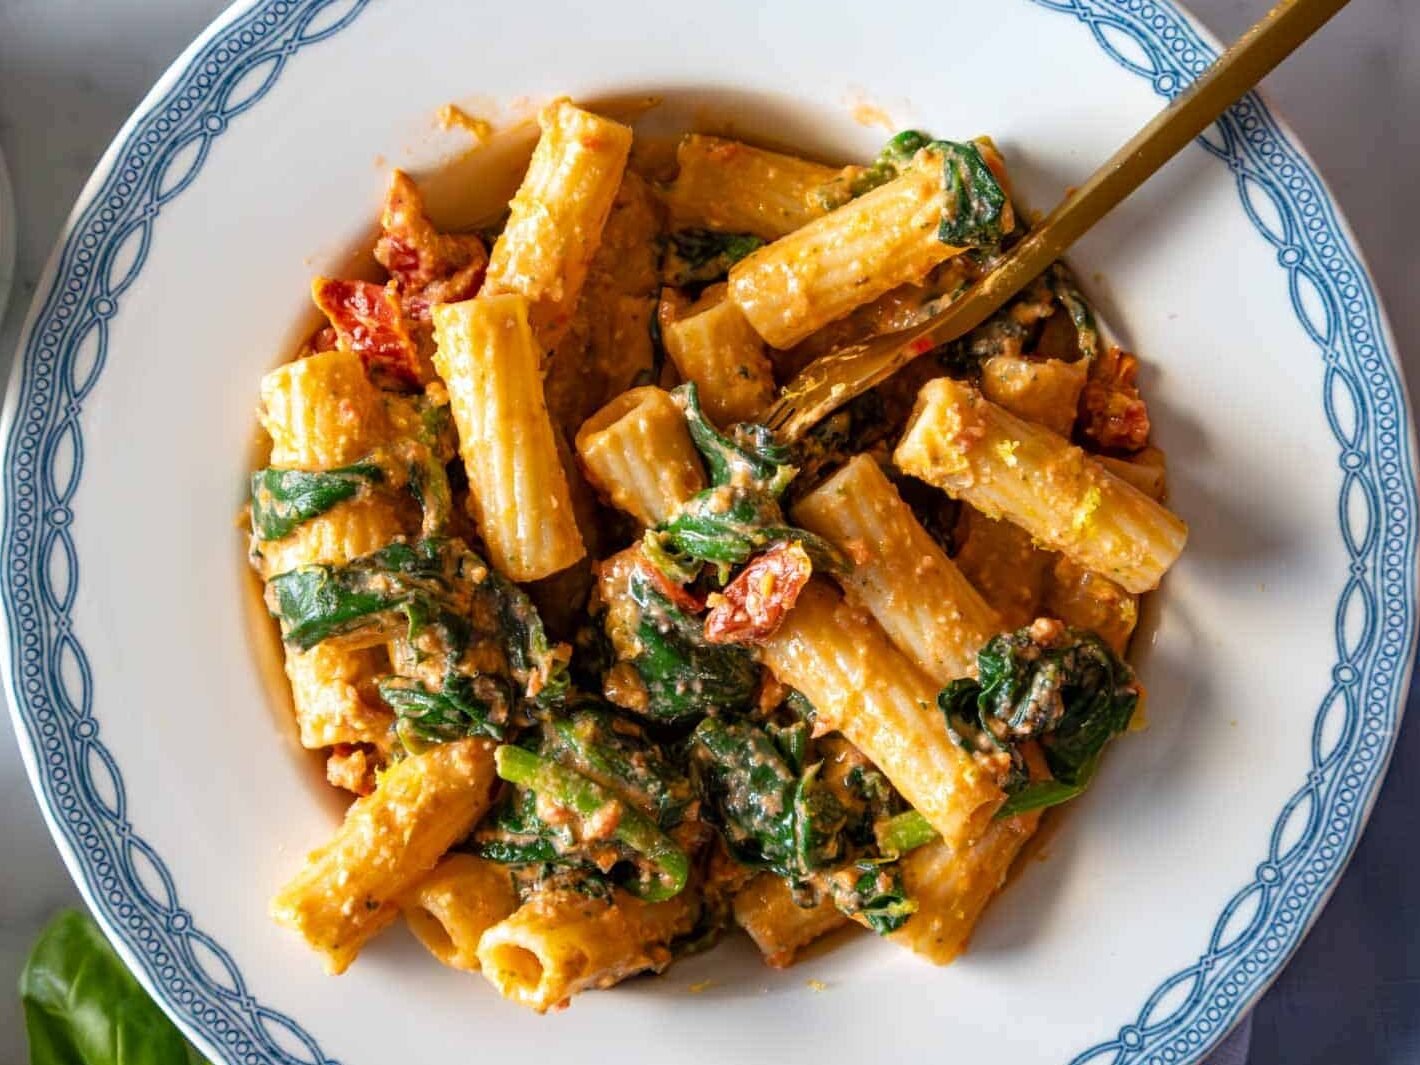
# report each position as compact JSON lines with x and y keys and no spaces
{"x":838,"y":377}
{"x":1251,"y":57}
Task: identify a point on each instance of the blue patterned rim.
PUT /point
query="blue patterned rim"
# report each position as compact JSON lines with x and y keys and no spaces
{"x":161,"y":151}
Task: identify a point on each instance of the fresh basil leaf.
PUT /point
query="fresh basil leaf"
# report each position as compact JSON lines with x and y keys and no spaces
{"x":83,"y":1007}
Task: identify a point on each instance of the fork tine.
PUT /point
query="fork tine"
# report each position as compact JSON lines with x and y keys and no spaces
{"x":779,"y":414}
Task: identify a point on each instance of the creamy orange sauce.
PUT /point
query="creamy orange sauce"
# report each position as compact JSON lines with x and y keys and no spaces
{"x":452,"y":116}
{"x":866,"y":114}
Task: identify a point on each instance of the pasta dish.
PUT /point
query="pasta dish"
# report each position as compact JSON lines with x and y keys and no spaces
{"x":609,"y":669}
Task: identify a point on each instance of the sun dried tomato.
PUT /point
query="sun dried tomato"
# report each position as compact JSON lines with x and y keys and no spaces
{"x":367,"y":319}
{"x":426,"y":266}
{"x":1113,"y":413}
{"x":753,"y":605}
{"x":679,"y":595}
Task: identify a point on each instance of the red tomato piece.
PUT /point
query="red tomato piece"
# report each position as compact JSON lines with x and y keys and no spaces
{"x":368,"y":319}
{"x":426,"y":266}
{"x":753,"y":605}
{"x":1114,"y":415}
{"x":677,"y":594}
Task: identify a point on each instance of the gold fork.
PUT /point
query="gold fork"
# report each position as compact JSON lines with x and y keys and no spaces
{"x":829,"y":382}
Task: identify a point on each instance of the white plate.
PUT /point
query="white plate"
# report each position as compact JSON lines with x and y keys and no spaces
{"x":1276,"y":660}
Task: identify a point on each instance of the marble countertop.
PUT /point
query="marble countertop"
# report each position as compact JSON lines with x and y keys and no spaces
{"x":72,"y":70}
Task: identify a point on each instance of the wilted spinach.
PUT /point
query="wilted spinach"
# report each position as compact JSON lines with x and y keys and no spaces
{"x":683,"y":673}
{"x":739,"y":514}
{"x":700,"y":256}
{"x":1063,"y":688}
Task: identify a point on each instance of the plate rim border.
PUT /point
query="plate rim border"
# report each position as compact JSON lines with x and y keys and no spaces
{"x":1131,"y":1040}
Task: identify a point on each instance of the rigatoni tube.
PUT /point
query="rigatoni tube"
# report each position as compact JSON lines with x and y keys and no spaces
{"x":450,"y":909}
{"x":321,"y":412}
{"x":1006,"y":467}
{"x":562,"y":941}
{"x":348,"y":889}
{"x":556,"y":217}
{"x":779,"y":926}
{"x":864,"y":687}
{"x":951,"y":888}
{"x":517,"y":487}
{"x":1086,"y":600}
{"x":637,"y":452}
{"x":900,"y":575}
{"x":849,"y":257}
{"x":1144,"y":470}
{"x":1004,"y":565}
{"x":716,"y":348}
{"x":732,"y":187}
{"x":1045,"y":391}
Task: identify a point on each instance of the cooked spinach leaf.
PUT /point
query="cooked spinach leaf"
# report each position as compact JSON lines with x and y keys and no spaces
{"x":1061,"y":687}
{"x":437,"y":601}
{"x":282,"y":500}
{"x":976,"y":212}
{"x":514,"y":834}
{"x":749,"y":452}
{"x":771,"y":816}
{"x":427,"y":582}
{"x":699,"y":256}
{"x":684,"y":674}
{"x":615,"y":752}
{"x":601,"y":812}
{"x":1067,"y":293}
{"x":465,"y":705}
{"x":539,"y":666}
{"x":1017,"y":327}
{"x":872,"y":892}
{"x":776,"y":812}
{"x":739,"y":514}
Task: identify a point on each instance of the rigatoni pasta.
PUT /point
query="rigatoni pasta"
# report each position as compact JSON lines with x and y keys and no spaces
{"x":1046,"y":391}
{"x":952,"y":888}
{"x":560,"y":943}
{"x":863,"y":687}
{"x":889,"y":236}
{"x":450,"y":909}
{"x":713,"y":345}
{"x":488,"y":359}
{"x":556,"y":218}
{"x":638,"y":454}
{"x":842,"y":260}
{"x":779,"y":926}
{"x":736,"y":188}
{"x":321,"y":411}
{"x":1003,"y":563}
{"x":612,"y":669}
{"x":900,"y":575}
{"x":1004,"y":466}
{"x":348,"y":890}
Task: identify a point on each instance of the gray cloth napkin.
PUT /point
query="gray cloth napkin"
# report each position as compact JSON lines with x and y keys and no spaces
{"x":1233,"y":1050}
